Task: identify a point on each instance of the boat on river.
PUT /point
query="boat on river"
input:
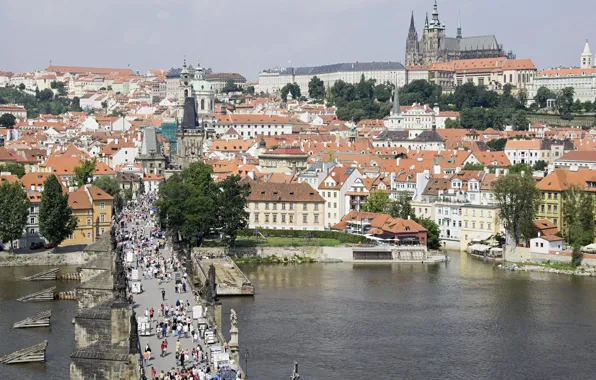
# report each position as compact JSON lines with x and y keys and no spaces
{"x":485,"y":252}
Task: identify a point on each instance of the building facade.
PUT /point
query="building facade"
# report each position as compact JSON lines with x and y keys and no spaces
{"x":273,"y":80}
{"x":285,"y":206}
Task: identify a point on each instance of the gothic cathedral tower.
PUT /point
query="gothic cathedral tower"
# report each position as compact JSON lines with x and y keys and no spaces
{"x":412,"y":45}
{"x":434,"y":39}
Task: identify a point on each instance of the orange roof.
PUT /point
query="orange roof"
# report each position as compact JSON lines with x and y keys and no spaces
{"x":563,"y":72}
{"x":36,"y":179}
{"x":252,"y":119}
{"x":10,"y":178}
{"x":79,"y":200}
{"x":562,"y":179}
{"x":86,"y":70}
{"x":522,"y":144}
{"x":98,"y":194}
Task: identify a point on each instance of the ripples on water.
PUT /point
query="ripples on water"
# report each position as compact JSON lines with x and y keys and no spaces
{"x":60,"y":334}
{"x":461,"y":320}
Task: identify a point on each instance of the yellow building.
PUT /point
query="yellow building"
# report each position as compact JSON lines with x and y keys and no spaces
{"x":479,"y":222}
{"x":553,"y":186}
{"x":93,"y":209}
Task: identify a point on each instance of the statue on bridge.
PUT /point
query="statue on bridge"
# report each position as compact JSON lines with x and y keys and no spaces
{"x":210,"y":285}
{"x":233,"y":318}
{"x":134,"y":334}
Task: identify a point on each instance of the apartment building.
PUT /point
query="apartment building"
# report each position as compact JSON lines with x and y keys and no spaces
{"x":531,"y":151}
{"x":292,"y":206}
{"x":479,"y":222}
{"x":248,"y":126}
{"x":93,"y":209}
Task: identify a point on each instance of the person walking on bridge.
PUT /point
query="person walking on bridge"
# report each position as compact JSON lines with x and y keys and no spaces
{"x":163,"y":294}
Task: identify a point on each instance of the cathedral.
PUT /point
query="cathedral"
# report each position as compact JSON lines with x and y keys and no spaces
{"x":436,"y":47}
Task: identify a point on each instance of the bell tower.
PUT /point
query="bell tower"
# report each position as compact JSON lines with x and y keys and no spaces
{"x":185,"y":85}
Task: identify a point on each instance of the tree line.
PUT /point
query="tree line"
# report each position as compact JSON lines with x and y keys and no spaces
{"x":44,"y":101}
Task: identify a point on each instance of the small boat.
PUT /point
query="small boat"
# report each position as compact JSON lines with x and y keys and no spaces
{"x":486,"y":252}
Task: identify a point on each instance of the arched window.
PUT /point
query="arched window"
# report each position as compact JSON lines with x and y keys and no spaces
{"x":186,"y":93}
{"x":202,"y":104}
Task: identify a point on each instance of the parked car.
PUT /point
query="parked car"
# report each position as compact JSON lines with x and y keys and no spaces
{"x":36,"y":245}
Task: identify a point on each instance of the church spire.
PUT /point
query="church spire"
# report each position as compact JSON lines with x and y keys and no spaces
{"x":459,"y":37}
{"x":426,"y":21}
{"x":586,"y":58}
{"x":395,"y":110}
{"x":412,"y":26}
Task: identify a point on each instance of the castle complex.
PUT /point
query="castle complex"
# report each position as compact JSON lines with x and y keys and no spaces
{"x":435,"y":46}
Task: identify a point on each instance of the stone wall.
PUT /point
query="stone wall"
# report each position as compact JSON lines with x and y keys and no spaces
{"x":86,"y":369}
{"x":318,"y":253}
{"x":88,"y":298}
{"x":91,"y":330}
{"x":46,"y":258}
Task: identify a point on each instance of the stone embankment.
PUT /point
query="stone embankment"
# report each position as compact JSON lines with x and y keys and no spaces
{"x":545,"y":269}
{"x":45,"y":259}
{"x":318,"y":254}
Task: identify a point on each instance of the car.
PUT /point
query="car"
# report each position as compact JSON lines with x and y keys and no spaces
{"x":36,"y":245}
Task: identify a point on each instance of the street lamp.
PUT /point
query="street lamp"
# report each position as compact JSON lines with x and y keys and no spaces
{"x":246,"y":363}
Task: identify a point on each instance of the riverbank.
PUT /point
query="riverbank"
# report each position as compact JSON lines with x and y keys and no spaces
{"x":557,"y":268}
{"x":44,"y":259}
{"x":276,"y":260}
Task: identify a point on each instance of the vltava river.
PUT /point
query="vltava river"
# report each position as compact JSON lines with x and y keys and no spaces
{"x":461,"y":320}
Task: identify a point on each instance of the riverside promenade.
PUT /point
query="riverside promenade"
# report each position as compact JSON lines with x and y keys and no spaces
{"x":140,"y":226}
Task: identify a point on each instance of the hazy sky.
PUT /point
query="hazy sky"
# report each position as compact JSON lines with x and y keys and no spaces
{"x":247,"y":36}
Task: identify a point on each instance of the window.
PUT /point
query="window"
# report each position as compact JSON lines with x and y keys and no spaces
{"x":291,"y":218}
{"x":31,"y":231}
{"x":291,"y":206}
{"x":481,"y":226}
{"x":329,"y":215}
{"x":266,"y":205}
{"x":473,"y":224}
{"x":329,"y":204}
{"x":555,"y":221}
{"x":266,"y":218}
{"x":102,"y":218}
{"x":88,"y":221}
{"x":304,"y":218}
{"x":275,"y":206}
{"x":256,"y":205}
{"x":88,"y":235}
{"x":316,"y":219}
{"x":102,"y":205}
{"x":71,"y":237}
{"x":334,"y":204}
{"x":335,"y":194}
{"x":541,"y":208}
{"x":88,"y":212}
{"x":555,"y":209}
{"x":304,"y":207}
{"x":316,"y":207}
{"x":488,"y":225}
{"x":31,"y":220}
{"x":274,"y":218}
{"x":102,"y":230}
{"x":32,"y":210}
{"x":283,"y":218}
{"x":555,"y":195}
{"x":256,"y":217}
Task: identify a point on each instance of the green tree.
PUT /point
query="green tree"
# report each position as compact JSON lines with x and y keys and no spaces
{"x":231,"y":204}
{"x":14,"y":209}
{"x":434,"y":232}
{"x":452,"y":124}
{"x":83,"y":174}
{"x":518,"y":199}
{"x":542,"y":95}
{"x":377,"y":201}
{"x":7,"y":120}
{"x":230,"y":87}
{"x":13,"y":168}
{"x":104,"y":105}
{"x":471,"y":166}
{"x":316,"y":89}
{"x":22,"y":86}
{"x":402,"y":206}
{"x":565,"y":103}
{"x":76,"y":104}
{"x":420,"y":91}
{"x":540,"y":165}
{"x":497,"y":144}
{"x":56,"y":221}
{"x":46,"y":95}
{"x":520,"y":168}
{"x":384,"y":92}
{"x":250,"y":90}
{"x":578,"y":217}
{"x":520,"y":121}
{"x":290,"y":88}
{"x":108,"y":184}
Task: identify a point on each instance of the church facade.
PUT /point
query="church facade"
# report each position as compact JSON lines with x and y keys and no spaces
{"x":435,"y":46}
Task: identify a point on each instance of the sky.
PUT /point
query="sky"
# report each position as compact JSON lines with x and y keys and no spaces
{"x":249,"y":36}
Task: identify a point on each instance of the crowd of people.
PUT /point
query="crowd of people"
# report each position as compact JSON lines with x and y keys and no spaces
{"x":170,"y":321}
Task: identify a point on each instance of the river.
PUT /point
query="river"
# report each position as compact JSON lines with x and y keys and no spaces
{"x":60,"y":334}
{"x":460,"y":320}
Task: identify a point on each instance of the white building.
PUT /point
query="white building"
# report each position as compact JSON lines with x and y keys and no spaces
{"x":582,"y":79}
{"x":14,"y":109}
{"x":251,"y":126}
{"x":334,"y":190}
{"x":272,"y":81}
{"x":546,"y":244}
